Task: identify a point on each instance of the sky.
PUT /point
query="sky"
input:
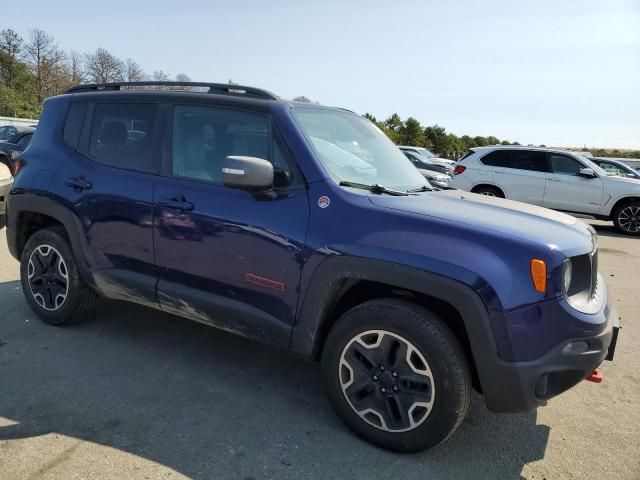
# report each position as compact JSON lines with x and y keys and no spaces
{"x":561,"y":73}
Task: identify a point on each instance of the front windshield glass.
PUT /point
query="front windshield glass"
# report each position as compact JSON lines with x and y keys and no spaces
{"x":593,"y":166}
{"x":353,"y":149}
{"x":426,"y":153}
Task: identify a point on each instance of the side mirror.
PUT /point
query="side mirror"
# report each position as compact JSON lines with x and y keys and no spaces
{"x":248,"y":173}
{"x":14,"y":154}
{"x":587,"y":172}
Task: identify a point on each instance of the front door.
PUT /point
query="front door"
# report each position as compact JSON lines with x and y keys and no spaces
{"x":224,"y":256}
{"x":569,"y":191}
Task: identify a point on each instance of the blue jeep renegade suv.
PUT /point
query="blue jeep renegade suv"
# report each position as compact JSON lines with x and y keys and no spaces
{"x":305,"y":227}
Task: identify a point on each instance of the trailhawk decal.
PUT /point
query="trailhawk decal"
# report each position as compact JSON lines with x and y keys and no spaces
{"x":264,"y":282}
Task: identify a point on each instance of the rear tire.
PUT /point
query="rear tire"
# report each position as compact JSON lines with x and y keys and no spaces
{"x":50,"y":279}
{"x":626,"y":218}
{"x":397,"y":375}
{"x":489,"y":191}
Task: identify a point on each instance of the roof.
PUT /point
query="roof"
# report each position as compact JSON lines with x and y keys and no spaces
{"x":521,"y":147}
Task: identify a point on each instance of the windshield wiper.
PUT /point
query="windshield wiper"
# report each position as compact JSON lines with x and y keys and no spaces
{"x":376,"y":188}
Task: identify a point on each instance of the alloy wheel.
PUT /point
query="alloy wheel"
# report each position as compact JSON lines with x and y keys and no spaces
{"x":386,"y":381}
{"x":48,"y":277}
{"x":629,"y":219}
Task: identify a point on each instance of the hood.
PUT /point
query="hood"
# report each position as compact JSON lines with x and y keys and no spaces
{"x":633,"y":181}
{"x":530,"y":223}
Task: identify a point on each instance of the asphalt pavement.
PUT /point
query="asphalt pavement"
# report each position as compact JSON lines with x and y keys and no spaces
{"x":132,"y":393}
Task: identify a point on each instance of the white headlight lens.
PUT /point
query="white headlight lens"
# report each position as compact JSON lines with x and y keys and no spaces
{"x":567,"y":271}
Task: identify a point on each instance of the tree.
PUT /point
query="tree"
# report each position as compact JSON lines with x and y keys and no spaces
{"x":103,"y":67}
{"x":411,"y":133}
{"x":11,"y":46}
{"x":46,"y":61}
{"x":76,"y":68}
{"x":160,"y":76}
{"x":370,"y":117}
{"x":21,"y":98}
{"x":437,"y":137}
{"x":133,"y":71}
{"x":302,"y":98}
{"x":183,"y":77}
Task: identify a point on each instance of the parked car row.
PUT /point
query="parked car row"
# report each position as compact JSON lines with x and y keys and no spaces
{"x":13,"y":140}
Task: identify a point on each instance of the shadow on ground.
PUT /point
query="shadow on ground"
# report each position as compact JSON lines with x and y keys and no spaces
{"x":211,"y":405}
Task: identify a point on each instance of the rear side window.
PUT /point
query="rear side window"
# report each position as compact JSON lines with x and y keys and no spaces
{"x":121,"y":135}
{"x":497,"y":158}
{"x":517,"y":159}
{"x":468,"y":154}
{"x":564,"y":165}
{"x":528,"y":160}
{"x":24,"y":141}
{"x":73,"y":123}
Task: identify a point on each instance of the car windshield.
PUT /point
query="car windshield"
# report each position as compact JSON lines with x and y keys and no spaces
{"x":596,"y":168}
{"x":426,"y":153}
{"x":352,"y":149}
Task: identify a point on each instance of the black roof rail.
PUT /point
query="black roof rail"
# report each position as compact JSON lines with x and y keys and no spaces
{"x":215,"y":88}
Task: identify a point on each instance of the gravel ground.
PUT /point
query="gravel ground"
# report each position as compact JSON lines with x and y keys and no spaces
{"x":133,"y":393}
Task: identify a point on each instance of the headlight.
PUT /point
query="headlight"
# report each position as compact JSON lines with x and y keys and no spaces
{"x":567,"y":272}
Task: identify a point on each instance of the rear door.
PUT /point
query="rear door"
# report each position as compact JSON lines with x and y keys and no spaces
{"x":521,"y":174}
{"x":569,"y":191}
{"x":225,"y":256}
{"x":108,"y":185}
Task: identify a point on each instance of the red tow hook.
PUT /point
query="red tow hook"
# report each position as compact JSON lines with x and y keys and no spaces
{"x":595,"y":377}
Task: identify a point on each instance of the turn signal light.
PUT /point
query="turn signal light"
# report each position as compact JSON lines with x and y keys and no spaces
{"x":539,"y":275}
{"x":459,"y":169}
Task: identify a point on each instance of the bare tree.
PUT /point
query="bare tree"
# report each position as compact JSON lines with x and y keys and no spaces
{"x":46,"y":61}
{"x":103,"y":67}
{"x":302,"y":98}
{"x":160,"y":76}
{"x":133,"y":71}
{"x":76,"y":68}
{"x":183,"y":77}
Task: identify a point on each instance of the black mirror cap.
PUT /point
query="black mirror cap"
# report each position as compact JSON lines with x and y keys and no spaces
{"x":587,"y":172}
{"x":250,"y":173}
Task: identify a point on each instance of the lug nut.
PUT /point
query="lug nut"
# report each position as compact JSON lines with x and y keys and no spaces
{"x":383,"y":390}
{"x":382,"y":368}
{"x":395,"y":388}
{"x":375,"y":378}
{"x":394,"y":374}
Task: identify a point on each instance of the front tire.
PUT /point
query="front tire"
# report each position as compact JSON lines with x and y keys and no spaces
{"x":397,"y":375}
{"x":626,"y":218}
{"x":50,"y":279}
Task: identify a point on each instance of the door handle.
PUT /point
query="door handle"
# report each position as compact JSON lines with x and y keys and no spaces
{"x":78,"y":183}
{"x":177,"y":203}
{"x":554,"y":179}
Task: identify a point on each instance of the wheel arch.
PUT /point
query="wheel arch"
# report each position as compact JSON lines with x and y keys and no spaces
{"x":476,"y":187}
{"x":342,"y":283}
{"x":28,"y":213}
{"x":623,"y":201}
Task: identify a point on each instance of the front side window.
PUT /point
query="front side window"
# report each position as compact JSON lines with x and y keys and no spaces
{"x":204,"y":136}
{"x":352,"y":149}
{"x":121,"y":135}
{"x":564,"y":165}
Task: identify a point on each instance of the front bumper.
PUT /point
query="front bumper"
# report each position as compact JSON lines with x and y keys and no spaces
{"x":523,"y":386}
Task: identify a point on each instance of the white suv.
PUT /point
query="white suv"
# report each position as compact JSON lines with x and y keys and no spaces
{"x":551,"y":178}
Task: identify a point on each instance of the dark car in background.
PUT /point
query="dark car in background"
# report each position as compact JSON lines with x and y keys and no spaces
{"x":616,"y":167}
{"x":17,"y":142}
